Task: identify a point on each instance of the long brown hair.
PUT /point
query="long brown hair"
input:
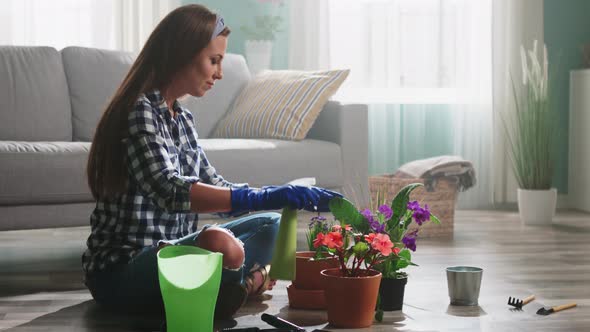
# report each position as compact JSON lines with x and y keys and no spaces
{"x":173,"y":44}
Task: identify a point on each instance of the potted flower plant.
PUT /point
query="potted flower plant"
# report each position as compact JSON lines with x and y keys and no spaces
{"x":395,"y":220}
{"x":371,"y":250}
{"x":306,"y":291}
{"x":530,"y":131}
{"x":351,"y":290}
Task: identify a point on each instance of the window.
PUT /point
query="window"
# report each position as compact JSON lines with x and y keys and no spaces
{"x":408,"y":51}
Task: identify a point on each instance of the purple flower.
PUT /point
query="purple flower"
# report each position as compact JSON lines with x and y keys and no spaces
{"x":410,"y":242}
{"x":373,"y":223}
{"x":367,"y":214}
{"x":377,"y":226}
{"x":317,"y":220}
{"x":413,"y":205}
{"x":385,"y":211}
{"x":421,"y":215}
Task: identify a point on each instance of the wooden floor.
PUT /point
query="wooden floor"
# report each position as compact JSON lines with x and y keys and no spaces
{"x":41,"y":289}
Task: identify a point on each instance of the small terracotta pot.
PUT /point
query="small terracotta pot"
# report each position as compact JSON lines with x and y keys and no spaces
{"x":351,"y":300}
{"x":307,"y":272}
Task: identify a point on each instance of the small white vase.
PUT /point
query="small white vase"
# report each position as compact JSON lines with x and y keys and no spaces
{"x":537,"y":207}
{"x":258,"y":55}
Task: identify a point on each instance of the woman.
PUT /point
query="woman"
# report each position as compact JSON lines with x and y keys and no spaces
{"x":150,"y":177}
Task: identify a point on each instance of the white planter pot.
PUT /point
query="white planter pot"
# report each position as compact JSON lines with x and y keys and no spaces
{"x":537,"y":207}
{"x":258,"y":55}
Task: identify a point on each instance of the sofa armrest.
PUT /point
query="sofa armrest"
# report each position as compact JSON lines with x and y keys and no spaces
{"x":347,"y":125}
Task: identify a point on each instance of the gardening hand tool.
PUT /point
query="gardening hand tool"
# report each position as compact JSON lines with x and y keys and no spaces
{"x":255,"y":329}
{"x":518,"y":303}
{"x":284,"y":324}
{"x":281,"y":323}
{"x":543,"y":311}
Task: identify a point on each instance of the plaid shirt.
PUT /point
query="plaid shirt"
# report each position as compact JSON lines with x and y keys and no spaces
{"x":164,"y":159}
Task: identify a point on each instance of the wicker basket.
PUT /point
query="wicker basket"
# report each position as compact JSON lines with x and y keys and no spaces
{"x":441,"y":201}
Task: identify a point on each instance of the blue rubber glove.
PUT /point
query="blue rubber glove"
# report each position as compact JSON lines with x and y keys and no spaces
{"x":278,"y":197}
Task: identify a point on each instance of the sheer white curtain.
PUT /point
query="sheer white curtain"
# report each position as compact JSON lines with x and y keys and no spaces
{"x":107,"y":24}
{"x":400,"y":51}
{"x":515,"y":23}
{"x":405,"y":55}
{"x":135,"y":20}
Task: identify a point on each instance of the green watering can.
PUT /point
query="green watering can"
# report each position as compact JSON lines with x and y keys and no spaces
{"x":282,"y":266}
{"x":189,"y":281}
{"x":283,"y":259}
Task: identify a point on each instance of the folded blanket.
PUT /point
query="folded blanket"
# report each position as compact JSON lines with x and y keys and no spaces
{"x":452,"y":168}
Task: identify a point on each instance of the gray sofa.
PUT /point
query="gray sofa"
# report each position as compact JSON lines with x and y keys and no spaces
{"x":50,"y":103}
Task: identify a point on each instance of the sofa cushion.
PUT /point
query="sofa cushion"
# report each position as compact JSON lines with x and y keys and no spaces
{"x":281,"y":104}
{"x":34,"y":100}
{"x":273,"y":162}
{"x":43,"y":172}
{"x":93,"y":77}
{"x":210,"y":108}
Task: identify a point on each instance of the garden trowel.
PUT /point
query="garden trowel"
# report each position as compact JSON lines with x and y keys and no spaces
{"x":546,"y":311}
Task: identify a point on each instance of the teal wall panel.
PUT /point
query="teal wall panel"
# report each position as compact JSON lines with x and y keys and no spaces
{"x":566,"y":29}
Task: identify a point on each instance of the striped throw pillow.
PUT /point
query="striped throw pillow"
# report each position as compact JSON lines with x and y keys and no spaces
{"x":280,"y":104}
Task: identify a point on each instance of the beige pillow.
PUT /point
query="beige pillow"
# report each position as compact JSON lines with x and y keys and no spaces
{"x":280,"y":104}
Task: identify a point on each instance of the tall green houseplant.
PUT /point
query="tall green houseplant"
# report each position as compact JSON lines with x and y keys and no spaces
{"x":532,"y":128}
{"x":531,"y":131}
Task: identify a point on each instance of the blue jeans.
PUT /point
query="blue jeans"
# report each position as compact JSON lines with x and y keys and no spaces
{"x":135,"y":287}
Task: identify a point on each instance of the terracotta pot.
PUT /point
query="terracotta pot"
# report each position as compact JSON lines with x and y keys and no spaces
{"x":313,"y":299}
{"x":392,"y":293}
{"x":307,"y":272}
{"x":351,"y":300}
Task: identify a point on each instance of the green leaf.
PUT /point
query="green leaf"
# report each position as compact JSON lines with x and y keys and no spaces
{"x":379,"y":315}
{"x":309,"y":242}
{"x":379,"y":312}
{"x":405,"y":254}
{"x":345,"y":212}
{"x":407,"y":219}
{"x":402,"y":264}
{"x":395,"y":234}
{"x":400,"y":202}
{"x":434,"y":219}
{"x":390,"y":266}
{"x":405,"y":259}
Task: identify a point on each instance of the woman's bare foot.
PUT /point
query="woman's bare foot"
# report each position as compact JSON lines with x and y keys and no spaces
{"x":258,"y":281}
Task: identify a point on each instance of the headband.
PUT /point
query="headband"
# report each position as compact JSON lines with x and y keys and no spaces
{"x":219,"y":26}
